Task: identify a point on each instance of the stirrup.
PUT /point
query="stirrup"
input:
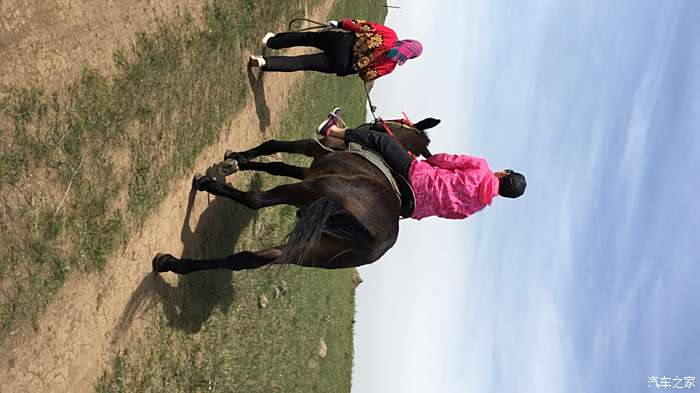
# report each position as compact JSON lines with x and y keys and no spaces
{"x":333,"y":119}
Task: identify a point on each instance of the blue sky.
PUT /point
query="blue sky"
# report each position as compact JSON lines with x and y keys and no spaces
{"x":588,"y":283}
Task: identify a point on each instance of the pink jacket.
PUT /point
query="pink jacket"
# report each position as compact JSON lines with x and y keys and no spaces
{"x":451,"y":186}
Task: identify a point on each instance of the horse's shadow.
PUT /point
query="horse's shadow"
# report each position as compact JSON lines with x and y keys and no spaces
{"x":261,"y":108}
{"x":189,"y":303}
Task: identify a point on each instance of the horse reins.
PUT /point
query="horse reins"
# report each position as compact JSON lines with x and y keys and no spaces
{"x":373,"y":110}
{"x":316,"y":25}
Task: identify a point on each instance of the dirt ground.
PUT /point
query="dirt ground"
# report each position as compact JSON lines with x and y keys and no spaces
{"x":49,"y":42}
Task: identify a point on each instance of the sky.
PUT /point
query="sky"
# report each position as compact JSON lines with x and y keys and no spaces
{"x":587,"y":283}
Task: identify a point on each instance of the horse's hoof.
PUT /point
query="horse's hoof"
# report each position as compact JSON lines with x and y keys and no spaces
{"x":228,"y":167}
{"x":200,"y":182}
{"x":162,"y":263}
{"x":236,"y":156}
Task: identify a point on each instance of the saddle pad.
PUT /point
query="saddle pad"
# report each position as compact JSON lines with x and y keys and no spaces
{"x":376,"y":160}
{"x":401,"y":186}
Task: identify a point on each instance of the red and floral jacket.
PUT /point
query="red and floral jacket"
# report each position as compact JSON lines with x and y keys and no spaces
{"x":373,"y":41}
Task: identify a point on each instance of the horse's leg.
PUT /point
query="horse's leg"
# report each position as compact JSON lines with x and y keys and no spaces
{"x":325,"y":253}
{"x":275,"y":168}
{"x":307,"y":147}
{"x":238,"y":261}
{"x":296,"y":194}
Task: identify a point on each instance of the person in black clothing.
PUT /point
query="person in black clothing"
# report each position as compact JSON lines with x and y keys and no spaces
{"x":360,"y":47}
{"x":336,"y":57}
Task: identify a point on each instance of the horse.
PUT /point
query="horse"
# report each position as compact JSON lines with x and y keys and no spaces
{"x":348,"y":214}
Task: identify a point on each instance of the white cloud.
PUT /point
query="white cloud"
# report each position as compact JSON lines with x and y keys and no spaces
{"x":633,"y":161}
{"x":640,"y":121}
{"x":515,"y":344}
{"x":615,"y":325}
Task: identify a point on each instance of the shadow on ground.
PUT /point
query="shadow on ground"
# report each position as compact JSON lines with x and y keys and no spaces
{"x":191,"y":302}
{"x":261,"y":108}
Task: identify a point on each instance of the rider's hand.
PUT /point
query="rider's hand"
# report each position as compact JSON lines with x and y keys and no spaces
{"x":333,"y":23}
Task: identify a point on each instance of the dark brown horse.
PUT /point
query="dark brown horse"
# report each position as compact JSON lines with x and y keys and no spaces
{"x":348,"y":211}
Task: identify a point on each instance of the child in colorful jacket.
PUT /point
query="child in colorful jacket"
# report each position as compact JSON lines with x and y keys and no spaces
{"x":365,"y":48}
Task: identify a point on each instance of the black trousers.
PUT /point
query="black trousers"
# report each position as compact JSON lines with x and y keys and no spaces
{"x":336,"y":58}
{"x":394,"y":154}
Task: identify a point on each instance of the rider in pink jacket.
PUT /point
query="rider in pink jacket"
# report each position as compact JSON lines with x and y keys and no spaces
{"x":452,"y":186}
{"x":445,"y":185}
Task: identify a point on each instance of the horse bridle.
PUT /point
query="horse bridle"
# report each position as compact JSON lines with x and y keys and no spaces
{"x":316,"y":25}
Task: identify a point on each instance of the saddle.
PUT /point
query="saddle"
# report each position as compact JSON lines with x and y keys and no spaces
{"x":402,"y":188}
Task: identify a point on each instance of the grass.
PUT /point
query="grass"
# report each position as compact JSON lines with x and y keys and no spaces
{"x":212,"y":335}
{"x":70,"y":158}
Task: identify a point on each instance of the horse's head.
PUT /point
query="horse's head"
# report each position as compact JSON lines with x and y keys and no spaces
{"x":416,"y":140}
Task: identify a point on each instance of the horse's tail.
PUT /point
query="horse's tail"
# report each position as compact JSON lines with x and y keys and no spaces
{"x":324,"y":216}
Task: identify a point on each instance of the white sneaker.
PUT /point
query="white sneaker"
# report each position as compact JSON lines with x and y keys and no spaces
{"x":332,"y":120}
{"x":267,"y":37}
{"x":257,"y":61}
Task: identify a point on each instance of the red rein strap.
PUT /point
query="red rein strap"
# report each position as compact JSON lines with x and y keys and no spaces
{"x":405,"y":120}
{"x":391,"y":134}
{"x":408,"y":121}
{"x":386,"y":128}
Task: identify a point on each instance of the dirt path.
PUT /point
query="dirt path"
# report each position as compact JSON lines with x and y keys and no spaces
{"x":49,"y":42}
{"x":75,"y":338}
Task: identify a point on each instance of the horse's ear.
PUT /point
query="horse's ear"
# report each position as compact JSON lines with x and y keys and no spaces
{"x":427,"y":123}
